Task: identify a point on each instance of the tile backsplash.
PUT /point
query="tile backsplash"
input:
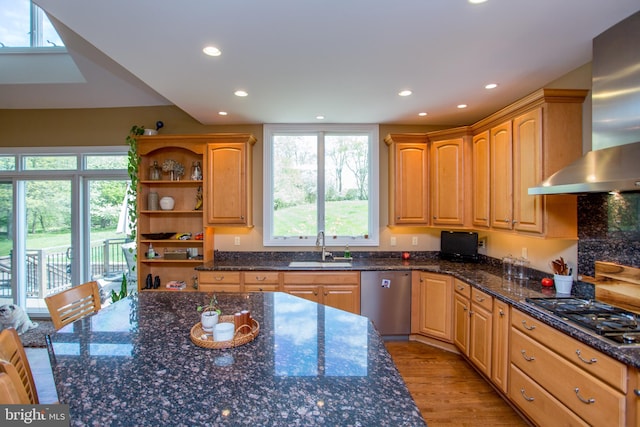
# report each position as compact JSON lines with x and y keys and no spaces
{"x":608,"y":230}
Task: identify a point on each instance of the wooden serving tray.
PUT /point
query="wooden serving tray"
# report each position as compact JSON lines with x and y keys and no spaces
{"x":240,"y":338}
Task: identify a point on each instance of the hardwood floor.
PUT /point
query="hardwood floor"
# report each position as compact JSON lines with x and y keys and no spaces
{"x":447,"y":390}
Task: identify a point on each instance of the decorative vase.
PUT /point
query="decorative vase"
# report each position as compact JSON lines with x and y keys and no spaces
{"x":167,"y":203}
{"x":209,"y":320}
{"x":563,"y":283}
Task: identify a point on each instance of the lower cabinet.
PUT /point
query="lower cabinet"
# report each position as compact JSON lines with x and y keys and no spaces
{"x":219,"y":281}
{"x":434,"y":294}
{"x":261,"y":281}
{"x":335,"y":289}
{"x":500,"y":344}
{"x":577,"y":380}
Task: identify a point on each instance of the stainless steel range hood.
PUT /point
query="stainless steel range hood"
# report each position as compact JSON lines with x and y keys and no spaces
{"x":614,"y":163}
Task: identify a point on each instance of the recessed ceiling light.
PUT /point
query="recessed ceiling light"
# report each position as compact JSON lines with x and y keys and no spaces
{"x":405,"y":93}
{"x":477,"y":1}
{"x":422,"y":114}
{"x":320,"y":117}
{"x":212,"y":51}
{"x":491,"y":86}
{"x":462,"y":106}
{"x":222,"y":113}
{"x":241,"y":93}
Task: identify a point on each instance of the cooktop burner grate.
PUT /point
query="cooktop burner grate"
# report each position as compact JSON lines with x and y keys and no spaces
{"x":616,"y":324}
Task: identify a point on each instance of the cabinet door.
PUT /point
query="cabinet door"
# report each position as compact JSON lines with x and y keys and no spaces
{"x":409,"y":192}
{"x":480,"y":338}
{"x":501,"y":176}
{"x":226,"y":199}
{"x":480,"y":179}
{"x":447,"y":182}
{"x":343,"y":297}
{"x":436,"y":293}
{"x":500,"y":344}
{"x":527,"y":171}
{"x":461,"y":323}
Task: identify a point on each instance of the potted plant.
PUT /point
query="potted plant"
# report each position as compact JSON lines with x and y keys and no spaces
{"x":210,"y":313}
{"x":562,"y":276}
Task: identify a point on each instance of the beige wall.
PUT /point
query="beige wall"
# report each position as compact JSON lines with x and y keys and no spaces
{"x":109,"y":126}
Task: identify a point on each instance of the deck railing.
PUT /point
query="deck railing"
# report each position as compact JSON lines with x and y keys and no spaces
{"x":49,"y":270}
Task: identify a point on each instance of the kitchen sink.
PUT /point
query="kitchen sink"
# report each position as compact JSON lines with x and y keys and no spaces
{"x":321,"y":264}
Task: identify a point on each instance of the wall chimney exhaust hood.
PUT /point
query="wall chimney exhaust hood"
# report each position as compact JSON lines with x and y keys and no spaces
{"x":614,"y":163}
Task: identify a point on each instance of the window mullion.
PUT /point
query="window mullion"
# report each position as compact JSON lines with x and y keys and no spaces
{"x":321,"y":182}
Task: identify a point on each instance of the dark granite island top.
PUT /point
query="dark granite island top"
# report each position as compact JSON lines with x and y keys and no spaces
{"x":133,"y":363}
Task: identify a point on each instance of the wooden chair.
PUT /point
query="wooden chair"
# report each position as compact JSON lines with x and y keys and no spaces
{"x":12,"y":351}
{"x":15,"y":392}
{"x":8,"y":393}
{"x":72,"y":304}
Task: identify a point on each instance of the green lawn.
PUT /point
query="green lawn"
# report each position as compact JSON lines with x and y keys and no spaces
{"x":40,"y":241}
{"x":343,"y":218}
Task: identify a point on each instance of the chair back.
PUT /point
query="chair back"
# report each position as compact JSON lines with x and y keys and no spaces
{"x":8,"y":393}
{"x":19,"y":391}
{"x":12,"y":351}
{"x":73,"y":304}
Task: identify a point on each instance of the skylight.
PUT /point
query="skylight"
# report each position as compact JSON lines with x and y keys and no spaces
{"x":25,"y":25}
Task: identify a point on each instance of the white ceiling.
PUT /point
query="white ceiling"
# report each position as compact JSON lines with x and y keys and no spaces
{"x":346,"y":60}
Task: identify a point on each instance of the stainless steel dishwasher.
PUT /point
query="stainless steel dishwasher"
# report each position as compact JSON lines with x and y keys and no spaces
{"x":385,"y":298}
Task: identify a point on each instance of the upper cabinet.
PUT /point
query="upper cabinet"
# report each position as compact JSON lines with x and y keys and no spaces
{"x":228,"y":180}
{"x":449,"y":176}
{"x":529,"y":141}
{"x":408,"y":179}
{"x":480,"y":180}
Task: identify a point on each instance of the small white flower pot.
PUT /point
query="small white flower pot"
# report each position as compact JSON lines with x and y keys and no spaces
{"x":167,"y":203}
{"x":563,"y":283}
{"x":209,"y":320}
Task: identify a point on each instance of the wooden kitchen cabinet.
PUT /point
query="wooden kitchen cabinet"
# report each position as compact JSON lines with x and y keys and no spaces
{"x":500,"y":344}
{"x":185,"y":217}
{"x":262,"y":281}
{"x":461,"y":308}
{"x":336,"y":289}
{"x":585,"y":381}
{"x":480,"y":330}
{"x":480,"y":180}
{"x":408,"y":179}
{"x":228,"y":180}
{"x":435,"y":304}
{"x":528,"y":142}
{"x":219,"y":281}
{"x":449,"y":177}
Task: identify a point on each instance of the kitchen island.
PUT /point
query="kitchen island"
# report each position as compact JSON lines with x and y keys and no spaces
{"x":133,"y":363}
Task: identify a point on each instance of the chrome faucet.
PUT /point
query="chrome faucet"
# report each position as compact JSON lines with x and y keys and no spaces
{"x":320,"y":242}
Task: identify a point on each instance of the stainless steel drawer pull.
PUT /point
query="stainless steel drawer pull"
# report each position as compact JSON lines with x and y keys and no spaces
{"x":528,"y":328}
{"x":588,"y":362}
{"x":480,"y":299}
{"x":527,"y":398}
{"x":218,"y":278}
{"x":261,"y":279}
{"x":582,"y":399}
{"x":527,"y":358}
{"x":636,"y":392}
{"x":461,"y":288}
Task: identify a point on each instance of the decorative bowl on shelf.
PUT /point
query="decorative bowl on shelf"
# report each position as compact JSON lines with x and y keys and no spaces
{"x":157,"y":236}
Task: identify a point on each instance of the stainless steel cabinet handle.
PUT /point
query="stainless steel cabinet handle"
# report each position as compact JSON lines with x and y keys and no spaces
{"x":527,"y":358}
{"x":582,"y":399}
{"x":528,"y":328}
{"x":218,"y":278}
{"x":480,"y":299}
{"x":527,"y":398}
{"x":588,"y":362}
{"x":461,"y":288}
{"x":501,"y":313}
{"x":261,"y":279}
{"x":636,"y":392}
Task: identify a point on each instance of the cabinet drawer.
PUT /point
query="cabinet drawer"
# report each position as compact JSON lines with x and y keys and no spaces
{"x":591,"y":360}
{"x":482,"y":299}
{"x":540,"y":406}
{"x":261,"y":277}
{"x":462,"y":288}
{"x":312,"y":278}
{"x":219,"y":277}
{"x":588,"y":397}
{"x":261,"y":287}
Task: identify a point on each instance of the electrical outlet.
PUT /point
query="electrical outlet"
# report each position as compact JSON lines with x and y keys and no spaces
{"x":236,"y":241}
{"x":393,"y":241}
{"x":482,"y":243}
{"x":414,"y":240}
{"x":525,"y":253}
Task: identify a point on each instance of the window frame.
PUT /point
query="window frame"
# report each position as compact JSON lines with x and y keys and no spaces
{"x":271,"y":130}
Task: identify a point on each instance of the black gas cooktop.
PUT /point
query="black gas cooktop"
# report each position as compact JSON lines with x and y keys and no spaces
{"x":614,"y":323}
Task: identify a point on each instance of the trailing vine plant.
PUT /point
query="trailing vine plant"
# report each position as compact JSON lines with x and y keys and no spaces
{"x":133,"y":169}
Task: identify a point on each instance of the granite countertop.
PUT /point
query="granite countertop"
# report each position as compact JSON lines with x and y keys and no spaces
{"x":486,"y":276}
{"x":133,"y":363}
